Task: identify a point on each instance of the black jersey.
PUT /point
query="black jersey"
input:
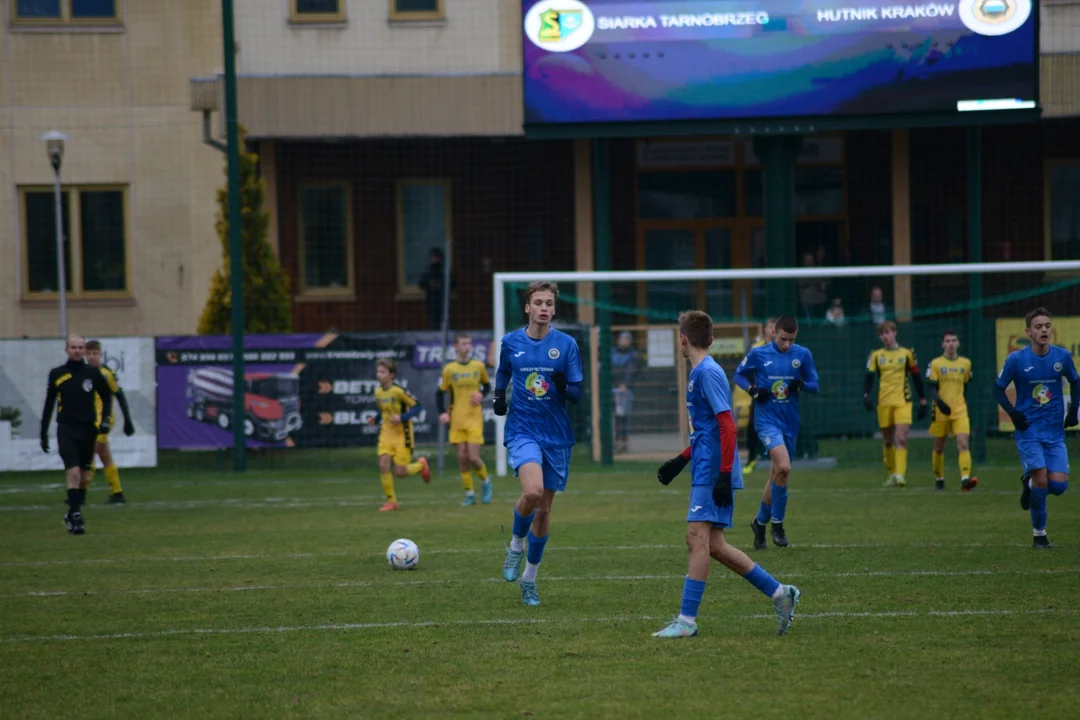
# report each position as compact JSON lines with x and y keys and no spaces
{"x":76,"y":387}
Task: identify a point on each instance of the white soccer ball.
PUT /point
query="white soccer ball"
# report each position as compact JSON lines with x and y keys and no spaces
{"x":403,"y":554}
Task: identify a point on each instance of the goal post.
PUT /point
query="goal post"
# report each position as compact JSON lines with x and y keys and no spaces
{"x":501,"y":281}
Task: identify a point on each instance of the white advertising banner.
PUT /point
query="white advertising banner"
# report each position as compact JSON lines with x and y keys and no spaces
{"x":24,"y":369}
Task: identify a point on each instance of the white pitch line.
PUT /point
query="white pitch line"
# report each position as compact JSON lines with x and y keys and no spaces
{"x":44,"y":594}
{"x":405,"y":624}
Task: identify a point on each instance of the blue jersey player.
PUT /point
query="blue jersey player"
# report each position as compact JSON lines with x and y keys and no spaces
{"x":1035,"y":374}
{"x":774,"y":375}
{"x":715,"y":475}
{"x":543,"y":369}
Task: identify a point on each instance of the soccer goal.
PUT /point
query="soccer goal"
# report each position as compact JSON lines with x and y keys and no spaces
{"x":643,"y":376}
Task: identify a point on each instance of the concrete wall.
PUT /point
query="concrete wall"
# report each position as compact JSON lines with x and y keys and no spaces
{"x":122,"y":94}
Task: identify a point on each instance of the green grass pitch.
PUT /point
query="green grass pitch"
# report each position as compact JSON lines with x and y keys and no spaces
{"x":211,"y":596}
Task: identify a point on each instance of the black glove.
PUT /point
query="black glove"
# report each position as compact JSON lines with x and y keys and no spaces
{"x":669,"y":470}
{"x":1019,"y":421}
{"x":500,"y":403}
{"x":129,"y":428}
{"x":103,"y":428}
{"x":794,"y":386}
{"x":922,"y":411}
{"x":868,"y":403}
{"x":45,"y":442}
{"x":943,"y":407}
{"x":721,"y":492}
{"x":760,"y":394}
{"x":1072,"y":419}
{"x":559,"y":378}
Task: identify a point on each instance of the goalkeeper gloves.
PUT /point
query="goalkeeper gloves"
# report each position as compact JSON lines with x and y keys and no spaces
{"x":943,"y":407}
{"x":760,"y":394}
{"x":559,"y":378}
{"x":794,"y":386}
{"x":1072,"y":419}
{"x":499,"y":406}
{"x":1019,"y":421}
{"x":669,"y":470}
{"x":721,"y":493}
{"x":868,"y":403}
{"x":922,"y":411}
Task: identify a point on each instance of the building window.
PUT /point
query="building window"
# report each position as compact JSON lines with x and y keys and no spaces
{"x":1063,"y":210}
{"x":417,"y":10}
{"x":326,"y":246}
{"x":423,"y":223}
{"x":95,"y":241}
{"x":67,"y":12}
{"x":318,"y":11}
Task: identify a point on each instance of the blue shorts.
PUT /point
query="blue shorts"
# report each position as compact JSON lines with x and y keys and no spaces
{"x":771,"y":436}
{"x":555,"y":462}
{"x":1036,"y":454}
{"x":703,"y":509}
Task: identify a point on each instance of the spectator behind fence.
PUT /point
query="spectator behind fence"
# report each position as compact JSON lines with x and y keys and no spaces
{"x":835,"y":314}
{"x":813,"y":292}
{"x":876,"y":309}
{"x":624,"y":366}
{"x":431,"y":282}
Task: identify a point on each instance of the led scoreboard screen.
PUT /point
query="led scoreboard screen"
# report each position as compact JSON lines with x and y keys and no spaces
{"x":604,"y":61}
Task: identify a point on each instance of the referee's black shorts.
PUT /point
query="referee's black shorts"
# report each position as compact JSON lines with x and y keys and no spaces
{"x":76,"y":444}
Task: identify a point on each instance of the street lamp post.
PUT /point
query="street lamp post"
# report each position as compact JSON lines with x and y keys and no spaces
{"x":54,"y":144}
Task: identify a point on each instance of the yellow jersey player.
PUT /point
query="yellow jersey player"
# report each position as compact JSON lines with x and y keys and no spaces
{"x":101,"y":446}
{"x":397,"y":408}
{"x":467,"y":380}
{"x":947,"y":377}
{"x":893,"y":364}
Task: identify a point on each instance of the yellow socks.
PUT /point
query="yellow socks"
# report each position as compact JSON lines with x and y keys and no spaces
{"x":965,"y":464}
{"x":387,"y":480}
{"x":414,"y":468}
{"x":112,"y":474}
{"x":890,"y":459}
{"x":901,"y":462}
{"x":90,"y":477}
{"x":481,"y":472}
{"x":466,"y":480}
{"x":939,"y":465}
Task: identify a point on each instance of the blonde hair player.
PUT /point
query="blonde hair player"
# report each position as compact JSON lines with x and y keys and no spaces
{"x":101,"y":445}
{"x":397,"y":408}
{"x":467,"y":382}
{"x":892,"y":364}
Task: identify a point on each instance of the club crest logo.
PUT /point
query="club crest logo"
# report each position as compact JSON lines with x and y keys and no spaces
{"x":690,"y":386}
{"x":554,"y":353}
{"x":87,"y":385}
{"x":537,"y":384}
{"x":1057,"y":367}
{"x":559,"y":25}
{"x":994,"y":17}
{"x":796,"y":364}
{"x":1041,"y":394}
{"x":882,"y":360}
{"x":779,"y":390}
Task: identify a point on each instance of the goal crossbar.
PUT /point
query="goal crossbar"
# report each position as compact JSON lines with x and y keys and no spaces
{"x":502,"y":279}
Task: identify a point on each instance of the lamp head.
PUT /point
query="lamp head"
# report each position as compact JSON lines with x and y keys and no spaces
{"x":54,"y":145}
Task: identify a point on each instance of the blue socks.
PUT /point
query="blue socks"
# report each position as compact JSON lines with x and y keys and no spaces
{"x":521,"y":524}
{"x":779,"y":503}
{"x":765,"y":582}
{"x":536,"y":548}
{"x":764,"y":513}
{"x":691,"y":596}
{"x":1038,"y":509}
{"x":1058,"y":487}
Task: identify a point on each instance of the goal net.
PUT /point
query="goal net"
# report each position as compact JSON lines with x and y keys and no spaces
{"x":625,"y":323}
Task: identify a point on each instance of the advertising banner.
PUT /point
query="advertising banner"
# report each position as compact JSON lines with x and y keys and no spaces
{"x":600,"y":61}
{"x":24,"y":370}
{"x":301,"y":390}
{"x":1011,"y":337}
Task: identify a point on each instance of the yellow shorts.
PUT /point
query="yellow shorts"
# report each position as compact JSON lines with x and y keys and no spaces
{"x":955,"y":426}
{"x":472,"y":434}
{"x":890,"y":415}
{"x":402,"y":455}
{"x":104,"y":438}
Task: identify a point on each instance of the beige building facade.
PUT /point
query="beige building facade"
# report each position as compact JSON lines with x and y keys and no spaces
{"x":139,"y":183}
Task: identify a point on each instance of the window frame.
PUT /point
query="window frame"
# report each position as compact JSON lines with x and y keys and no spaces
{"x":66,"y":18}
{"x":1048,"y":201}
{"x":325,"y":293}
{"x":75,"y":242}
{"x":298,"y":18}
{"x":415,"y":291}
{"x":437,"y":15}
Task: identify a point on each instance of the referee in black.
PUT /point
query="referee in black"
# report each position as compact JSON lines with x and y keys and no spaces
{"x":75,"y":387}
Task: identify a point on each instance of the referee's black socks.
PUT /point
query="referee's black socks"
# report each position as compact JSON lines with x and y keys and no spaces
{"x":75,"y":499}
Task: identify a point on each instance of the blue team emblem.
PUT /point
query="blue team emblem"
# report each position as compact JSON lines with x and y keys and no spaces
{"x":87,"y":385}
{"x":1057,"y":367}
{"x":554,"y":353}
{"x":796,"y":364}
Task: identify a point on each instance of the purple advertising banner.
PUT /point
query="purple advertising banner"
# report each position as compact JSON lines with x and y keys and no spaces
{"x":301,"y":390}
